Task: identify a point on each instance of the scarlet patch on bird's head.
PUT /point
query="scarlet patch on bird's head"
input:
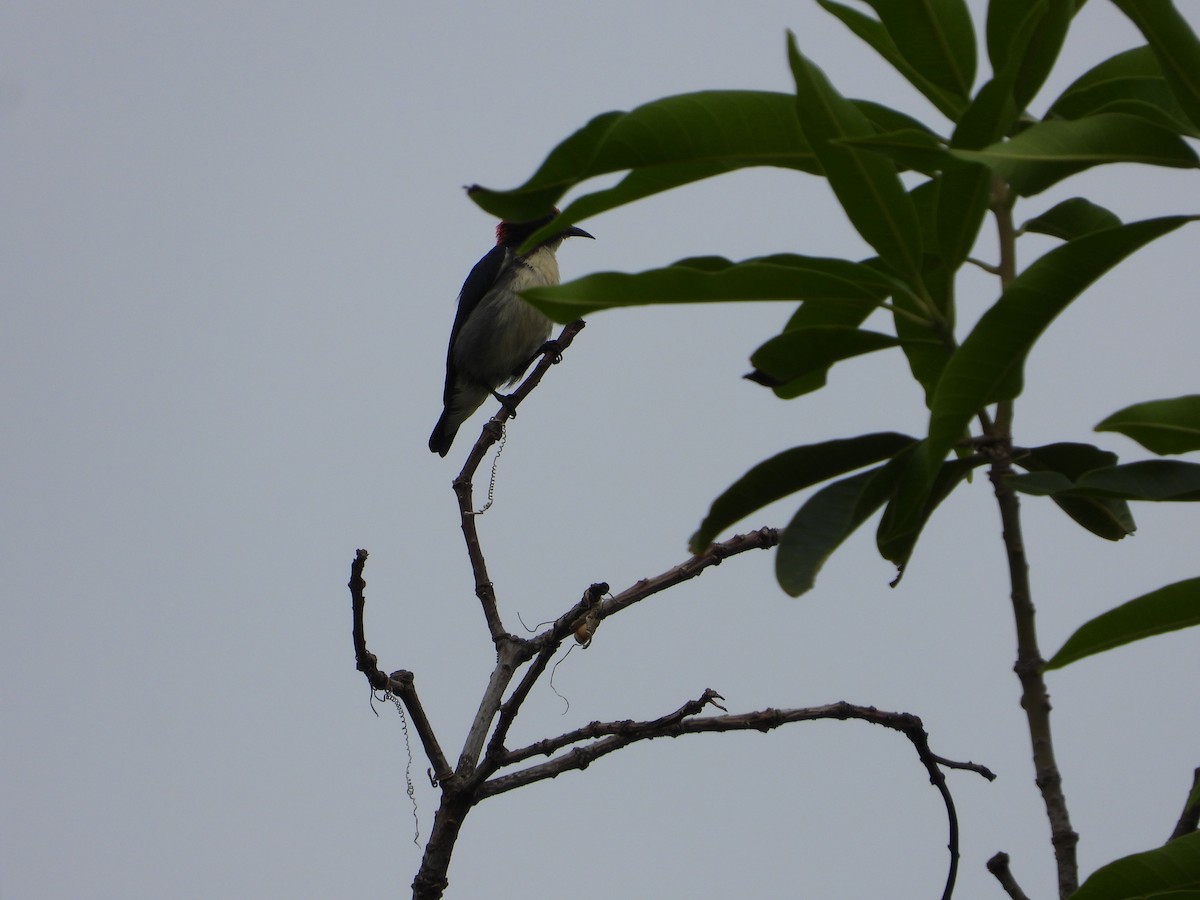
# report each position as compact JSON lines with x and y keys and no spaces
{"x":513,"y":233}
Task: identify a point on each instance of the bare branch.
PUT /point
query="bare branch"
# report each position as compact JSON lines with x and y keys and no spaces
{"x":463,"y":488}
{"x":608,"y":737}
{"x":401,"y":684}
{"x":1189,"y":819}
{"x":762,"y":539}
{"x":998,"y":866}
{"x":364,"y":660}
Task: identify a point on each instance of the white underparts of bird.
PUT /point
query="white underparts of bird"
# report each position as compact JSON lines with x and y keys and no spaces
{"x":496,"y":334}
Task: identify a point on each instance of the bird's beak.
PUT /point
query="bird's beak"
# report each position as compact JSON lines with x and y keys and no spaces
{"x":575,"y":231}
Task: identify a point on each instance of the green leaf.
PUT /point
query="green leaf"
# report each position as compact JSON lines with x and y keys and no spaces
{"x":1033,"y":61}
{"x":829,"y":516}
{"x":935,"y":37}
{"x":1170,"y":872}
{"x":911,"y":148}
{"x":1057,"y":466}
{"x":673,"y":141}
{"x":1169,"y":608}
{"x":799,"y":352}
{"x":989,"y":364}
{"x":1046,"y":153}
{"x":1071,"y":219}
{"x":713,"y":279}
{"x":897,"y":547}
{"x":1151,"y":480}
{"x":874,"y":34}
{"x":1161,"y":426}
{"x":1174,"y":44}
{"x":1130,"y":77}
{"x":791,"y":471}
{"x":866,"y":185}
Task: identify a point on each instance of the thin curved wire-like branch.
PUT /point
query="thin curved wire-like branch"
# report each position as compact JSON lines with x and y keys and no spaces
{"x":463,"y":488}
{"x":608,"y":737}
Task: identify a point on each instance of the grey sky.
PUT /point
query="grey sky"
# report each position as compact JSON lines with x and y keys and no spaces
{"x":231,"y":236}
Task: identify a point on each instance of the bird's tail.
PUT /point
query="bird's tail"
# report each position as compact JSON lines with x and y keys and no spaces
{"x":443,"y":433}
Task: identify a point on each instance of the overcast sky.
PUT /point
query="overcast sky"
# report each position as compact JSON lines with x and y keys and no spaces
{"x":231,"y":236}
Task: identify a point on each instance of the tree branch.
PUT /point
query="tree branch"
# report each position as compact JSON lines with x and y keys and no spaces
{"x":464,"y":490}
{"x":608,"y":737}
{"x":399,"y":683}
{"x":998,"y":866}
{"x":1035,"y":699}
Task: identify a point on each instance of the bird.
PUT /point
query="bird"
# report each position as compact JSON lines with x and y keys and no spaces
{"x":496,"y":334}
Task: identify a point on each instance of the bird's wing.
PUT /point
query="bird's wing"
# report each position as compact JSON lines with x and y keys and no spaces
{"x":478,"y":283}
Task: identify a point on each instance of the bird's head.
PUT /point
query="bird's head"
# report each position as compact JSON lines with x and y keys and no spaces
{"x":514,"y":234}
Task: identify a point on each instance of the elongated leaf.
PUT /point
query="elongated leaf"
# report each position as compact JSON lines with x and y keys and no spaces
{"x":1057,"y":466}
{"x":935,"y":37}
{"x":1167,"y":609}
{"x":1048,"y":152}
{"x":910,"y":148}
{"x":1151,"y":479}
{"x":791,"y":471}
{"x":1132,"y":76}
{"x":1175,"y":45}
{"x":898,"y":547}
{"x":1033,"y":60}
{"x":820,"y":526}
{"x":1071,"y":219}
{"x":874,"y":34}
{"x":799,"y":352}
{"x":1170,"y":872}
{"x":703,"y":134}
{"x":866,"y":185}
{"x":713,"y":279}
{"x":989,"y":364}
{"x":1161,"y":426}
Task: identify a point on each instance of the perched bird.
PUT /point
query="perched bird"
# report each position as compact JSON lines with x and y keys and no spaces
{"x":496,"y":334}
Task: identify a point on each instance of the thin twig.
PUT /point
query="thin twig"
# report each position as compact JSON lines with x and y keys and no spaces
{"x":463,"y":488}
{"x":998,"y":866}
{"x":608,"y":737}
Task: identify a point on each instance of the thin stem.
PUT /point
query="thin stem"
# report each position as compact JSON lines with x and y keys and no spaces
{"x":1035,"y":699}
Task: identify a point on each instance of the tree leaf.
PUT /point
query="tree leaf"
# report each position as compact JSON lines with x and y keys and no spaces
{"x":1034,"y":60}
{"x":826,"y":519}
{"x":866,"y":185}
{"x":714,"y":279}
{"x":1151,"y":480}
{"x":1046,"y":153}
{"x":1132,"y":76}
{"x":1167,"y":609}
{"x":874,"y":34}
{"x":675,"y":140}
{"x":799,"y":352}
{"x":1058,"y":466}
{"x":935,"y":37}
{"x":791,"y":471}
{"x":1174,"y":44}
{"x":1161,"y":426}
{"x":898,"y":547}
{"x":1071,"y":219}
{"x":1170,"y":872}
{"x":988,"y":365}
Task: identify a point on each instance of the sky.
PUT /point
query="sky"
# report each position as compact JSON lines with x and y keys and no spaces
{"x":231,"y":238}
